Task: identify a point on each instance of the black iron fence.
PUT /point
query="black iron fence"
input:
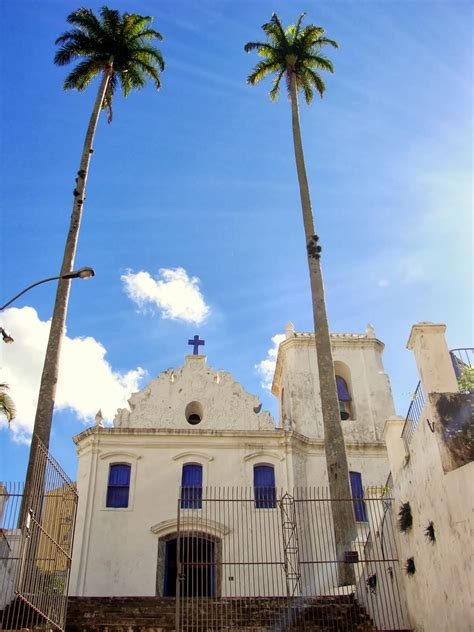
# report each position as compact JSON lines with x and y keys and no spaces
{"x":35,"y":550}
{"x":463,"y":364}
{"x":413,"y":415}
{"x":239,"y":564}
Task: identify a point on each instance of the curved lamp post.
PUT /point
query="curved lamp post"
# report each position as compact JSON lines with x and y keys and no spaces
{"x":41,"y":431}
{"x":82,"y":273}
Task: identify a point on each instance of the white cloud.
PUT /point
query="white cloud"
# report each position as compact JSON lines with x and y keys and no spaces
{"x":175,"y":294}
{"x":266,"y":368}
{"x":86,"y":381}
{"x":383,"y":283}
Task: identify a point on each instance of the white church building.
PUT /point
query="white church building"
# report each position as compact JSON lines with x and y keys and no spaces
{"x":193,"y":437}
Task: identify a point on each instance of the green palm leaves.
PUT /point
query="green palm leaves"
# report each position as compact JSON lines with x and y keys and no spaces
{"x":7,"y":405}
{"x":297,"y":51}
{"x":120,"y":43}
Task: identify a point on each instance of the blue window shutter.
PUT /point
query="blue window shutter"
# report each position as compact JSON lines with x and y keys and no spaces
{"x":119,"y":485}
{"x":191,"y":486}
{"x":264,"y":487}
{"x":342,"y":390}
{"x":358,"y":495}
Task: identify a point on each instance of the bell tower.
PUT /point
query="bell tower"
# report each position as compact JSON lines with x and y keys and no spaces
{"x":365,"y":396}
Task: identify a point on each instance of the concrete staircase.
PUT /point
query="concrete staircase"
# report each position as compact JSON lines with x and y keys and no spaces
{"x":157,"y":614}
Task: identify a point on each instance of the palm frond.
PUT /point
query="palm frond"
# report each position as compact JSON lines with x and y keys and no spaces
{"x":316,"y":80}
{"x":85,"y":20}
{"x":261,"y":70}
{"x":274,"y":29}
{"x":66,"y":54}
{"x":7,"y":405}
{"x":136,"y":26}
{"x":298,"y":26}
{"x":78,"y":46}
{"x":110,"y":21}
{"x":122,"y":42}
{"x":274,"y":92}
{"x":150,"y":54}
{"x":294,"y":52}
{"x":310,"y":36}
{"x":82,"y":75}
{"x":147,"y":34}
{"x":322,"y":41}
{"x":318,"y":61}
{"x":303,"y":82}
{"x":255,"y":45}
{"x":67,"y":35}
{"x":141,"y":67}
{"x":109,"y":95}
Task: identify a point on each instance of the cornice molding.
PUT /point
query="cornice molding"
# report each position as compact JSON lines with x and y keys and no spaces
{"x":189,"y":523}
{"x":307,"y":338}
{"x":120,"y":453}
{"x":190,"y":453}
{"x":265,"y":453}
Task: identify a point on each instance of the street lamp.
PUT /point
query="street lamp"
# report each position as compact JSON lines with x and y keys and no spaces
{"x":82,"y":273}
{"x":7,"y":339}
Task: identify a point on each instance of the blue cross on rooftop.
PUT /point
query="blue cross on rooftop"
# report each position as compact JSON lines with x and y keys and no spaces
{"x":196,"y":343}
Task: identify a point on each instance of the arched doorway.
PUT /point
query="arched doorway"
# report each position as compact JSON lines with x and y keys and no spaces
{"x":197,"y":556}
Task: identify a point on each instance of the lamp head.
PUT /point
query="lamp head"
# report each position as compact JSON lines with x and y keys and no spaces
{"x":7,"y":339}
{"x":81,"y":273}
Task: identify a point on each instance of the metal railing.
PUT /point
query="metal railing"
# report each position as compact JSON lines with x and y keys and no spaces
{"x":413,"y":415}
{"x":462,"y":359}
{"x":35,"y":555}
{"x":235,"y":565}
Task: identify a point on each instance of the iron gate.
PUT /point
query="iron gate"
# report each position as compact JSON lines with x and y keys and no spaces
{"x":267,"y":562}
{"x":36,"y":534}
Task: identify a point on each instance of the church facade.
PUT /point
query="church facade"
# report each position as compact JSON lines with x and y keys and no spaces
{"x":193,"y":429}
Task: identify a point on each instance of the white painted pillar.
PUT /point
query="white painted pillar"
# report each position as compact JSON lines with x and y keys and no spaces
{"x":432,"y":357}
{"x":392,"y":435}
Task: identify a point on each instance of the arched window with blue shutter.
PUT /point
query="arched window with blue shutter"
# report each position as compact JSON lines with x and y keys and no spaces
{"x":358,"y":496}
{"x":191,"y":486}
{"x":344,"y":398}
{"x":119,"y":485}
{"x":264,"y":487}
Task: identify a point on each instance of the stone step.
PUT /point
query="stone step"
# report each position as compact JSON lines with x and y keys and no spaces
{"x":157,"y":614}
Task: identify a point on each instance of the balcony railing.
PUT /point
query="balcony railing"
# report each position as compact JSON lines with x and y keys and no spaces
{"x":413,"y":415}
{"x":462,"y":359}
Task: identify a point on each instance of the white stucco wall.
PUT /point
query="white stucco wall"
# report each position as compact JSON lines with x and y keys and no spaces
{"x":116,"y":550}
{"x":439,"y":594}
{"x":358,"y":358}
{"x":222,"y":402}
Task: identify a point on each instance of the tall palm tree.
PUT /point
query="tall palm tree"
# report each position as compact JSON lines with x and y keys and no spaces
{"x":116,"y":47}
{"x":295,"y":54}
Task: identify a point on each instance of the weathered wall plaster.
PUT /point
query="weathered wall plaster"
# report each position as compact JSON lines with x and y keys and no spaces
{"x":439,"y":593}
{"x":296,"y":383}
{"x":156,"y":439}
{"x":225,"y":403}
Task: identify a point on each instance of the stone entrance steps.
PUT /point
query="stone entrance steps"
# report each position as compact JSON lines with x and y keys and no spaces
{"x":157,"y":614}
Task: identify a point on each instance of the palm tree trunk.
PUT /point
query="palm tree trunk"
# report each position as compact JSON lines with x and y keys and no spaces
{"x":336,"y":459}
{"x":49,"y":378}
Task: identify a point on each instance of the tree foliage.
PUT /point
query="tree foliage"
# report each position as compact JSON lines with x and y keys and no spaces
{"x":7,"y":405}
{"x":293,"y":50}
{"x":112,"y":41}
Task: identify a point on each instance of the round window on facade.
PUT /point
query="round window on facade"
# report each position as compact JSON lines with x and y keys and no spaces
{"x":194,"y":413}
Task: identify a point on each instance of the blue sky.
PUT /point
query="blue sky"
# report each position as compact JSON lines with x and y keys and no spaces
{"x":198,"y":181}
